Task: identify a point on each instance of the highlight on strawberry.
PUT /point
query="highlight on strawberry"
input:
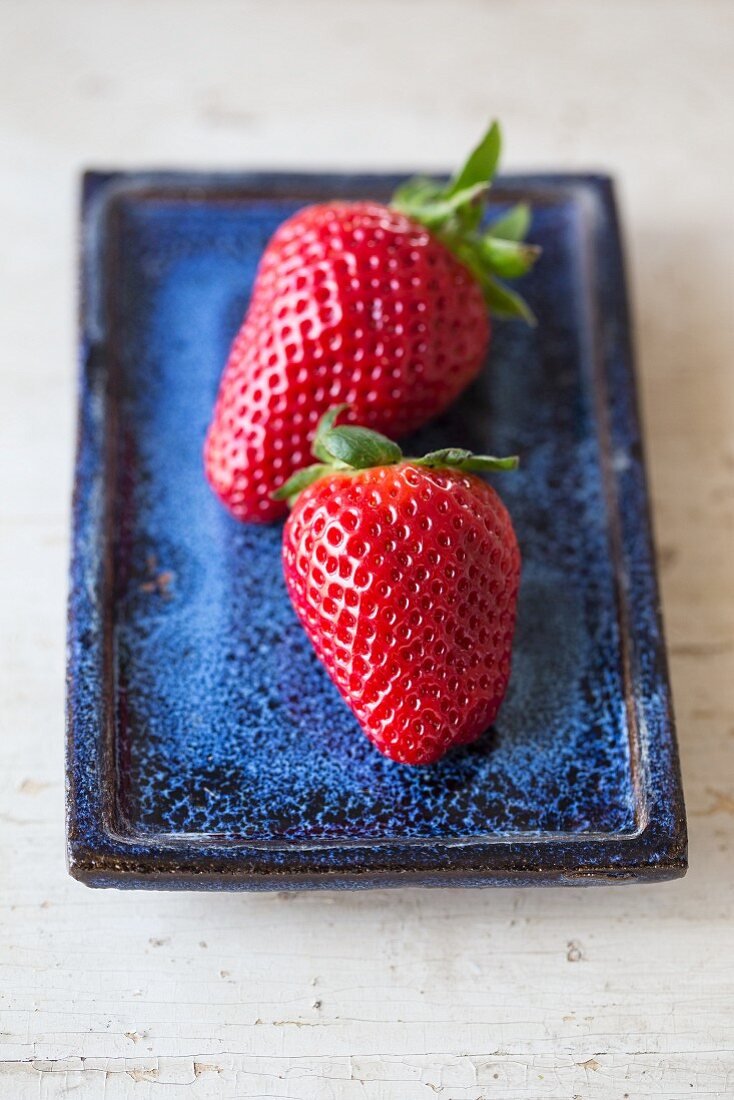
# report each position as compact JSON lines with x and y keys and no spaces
{"x":404,"y":573}
{"x":384,"y":307}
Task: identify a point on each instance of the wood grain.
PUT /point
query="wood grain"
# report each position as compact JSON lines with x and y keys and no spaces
{"x":621,"y":993}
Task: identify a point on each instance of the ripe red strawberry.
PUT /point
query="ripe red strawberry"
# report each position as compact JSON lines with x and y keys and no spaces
{"x":404,"y":573}
{"x":382,"y":307}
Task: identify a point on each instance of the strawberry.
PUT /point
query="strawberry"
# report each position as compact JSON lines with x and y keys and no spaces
{"x":404,"y":573}
{"x":382,"y":307}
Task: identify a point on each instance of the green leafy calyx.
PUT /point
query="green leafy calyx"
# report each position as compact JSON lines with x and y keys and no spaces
{"x":347,"y":448}
{"x":453,"y":212}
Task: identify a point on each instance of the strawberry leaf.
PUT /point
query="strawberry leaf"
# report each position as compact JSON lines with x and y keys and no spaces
{"x":508,"y":259}
{"x":415,"y":193}
{"x":436,"y":212}
{"x":448,"y":456}
{"x":348,"y":449}
{"x":326,"y":423}
{"x":300,"y":481}
{"x":505,"y":302}
{"x":360,"y":448}
{"x":490,"y":463}
{"x":453,"y":214}
{"x":481,"y":163}
{"x":456,"y":458}
{"x":514,"y":225}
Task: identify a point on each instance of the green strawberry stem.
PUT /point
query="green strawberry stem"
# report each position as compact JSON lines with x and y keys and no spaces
{"x":453,"y":213}
{"x":348,"y":449}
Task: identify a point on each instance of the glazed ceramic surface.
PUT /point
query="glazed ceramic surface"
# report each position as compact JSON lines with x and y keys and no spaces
{"x":206,"y":745}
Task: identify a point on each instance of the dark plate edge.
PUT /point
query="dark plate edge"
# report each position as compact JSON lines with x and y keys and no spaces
{"x":657,"y":773}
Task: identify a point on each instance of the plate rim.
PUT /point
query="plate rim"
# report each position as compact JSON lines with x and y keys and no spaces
{"x":100,"y":854}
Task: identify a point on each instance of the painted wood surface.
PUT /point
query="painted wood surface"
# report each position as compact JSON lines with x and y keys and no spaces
{"x":625,"y":992}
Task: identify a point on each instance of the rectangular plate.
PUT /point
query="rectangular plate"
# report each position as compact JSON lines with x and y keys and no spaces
{"x":206,"y":745}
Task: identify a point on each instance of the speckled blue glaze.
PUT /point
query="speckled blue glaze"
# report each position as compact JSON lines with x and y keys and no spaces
{"x":207,"y":746}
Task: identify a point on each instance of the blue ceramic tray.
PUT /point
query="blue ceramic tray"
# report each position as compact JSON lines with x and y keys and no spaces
{"x":206,"y":745}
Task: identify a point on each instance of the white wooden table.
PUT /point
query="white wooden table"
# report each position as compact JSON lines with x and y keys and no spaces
{"x":619,"y":993}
